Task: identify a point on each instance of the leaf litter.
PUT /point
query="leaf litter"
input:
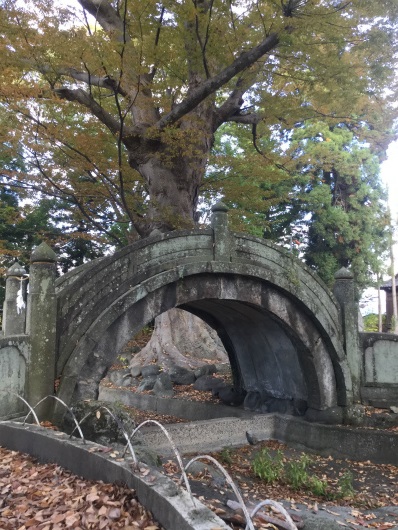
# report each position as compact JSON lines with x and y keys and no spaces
{"x":37,"y":496}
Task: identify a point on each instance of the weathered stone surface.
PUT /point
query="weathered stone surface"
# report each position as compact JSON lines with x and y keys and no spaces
{"x":136,"y":370}
{"x":181,"y":376}
{"x":119,"y":377}
{"x":262,"y":402}
{"x":286,"y":335}
{"x":381,"y":361}
{"x":354,"y":415}
{"x":14,"y":317}
{"x":107,"y":428}
{"x":100,"y":426}
{"x":206,"y":369}
{"x":42,"y":328}
{"x":150,"y":370}
{"x":14,"y":353}
{"x":252,"y":401}
{"x":330,"y":416}
{"x":147,"y":383}
{"x":314,"y":522}
{"x":231,"y":396}
{"x":163,"y":386}
{"x":43,"y":253}
{"x":276,"y":319}
{"x":208,"y":382}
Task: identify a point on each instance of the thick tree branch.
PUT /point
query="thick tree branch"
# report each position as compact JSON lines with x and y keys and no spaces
{"x":232,"y":105}
{"x":107,"y":17}
{"x":85,"y":77}
{"x":87,"y":101}
{"x":93,"y":80}
{"x":197,"y":95}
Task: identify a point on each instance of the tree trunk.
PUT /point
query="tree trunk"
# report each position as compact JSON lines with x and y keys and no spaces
{"x":181,"y":339}
{"x":173,"y":166}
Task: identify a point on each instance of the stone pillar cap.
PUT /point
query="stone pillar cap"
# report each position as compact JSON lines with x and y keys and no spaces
{"x":43,"y":253}
{"x":16,"y":270}
{"x":343,"y":274}
{"x":219,"y":207}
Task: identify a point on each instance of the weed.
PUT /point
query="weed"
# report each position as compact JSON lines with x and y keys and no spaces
{"x":225,"y":455}
{"x":318,"y":486}
{"x":296,"y":472}
{"x":345,"y":485}
{"x":268,"y":468}
{"x":123,"y":360}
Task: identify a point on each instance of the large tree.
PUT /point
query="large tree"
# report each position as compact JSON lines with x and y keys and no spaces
{"x":343,"y":201}
{"x":117,"y":101}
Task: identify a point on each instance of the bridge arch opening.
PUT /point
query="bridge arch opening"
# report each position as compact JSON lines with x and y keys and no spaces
{"x":276,"y":348}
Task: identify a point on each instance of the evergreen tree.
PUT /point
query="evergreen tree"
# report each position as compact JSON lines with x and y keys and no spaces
{"x":344,"y":202}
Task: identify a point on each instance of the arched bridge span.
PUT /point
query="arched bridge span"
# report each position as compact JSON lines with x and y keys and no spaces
{"x":280,"y":325}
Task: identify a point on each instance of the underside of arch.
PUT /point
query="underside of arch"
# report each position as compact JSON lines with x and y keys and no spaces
{"x":275,"y":345}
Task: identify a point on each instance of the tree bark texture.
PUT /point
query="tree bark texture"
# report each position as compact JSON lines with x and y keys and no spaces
{"x":182,"y":339}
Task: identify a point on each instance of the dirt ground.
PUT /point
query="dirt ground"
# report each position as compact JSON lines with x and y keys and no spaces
{"x":371,"y":503}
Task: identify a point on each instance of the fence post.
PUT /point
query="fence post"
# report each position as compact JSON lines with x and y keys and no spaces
{"x":14,"y":315}
{"x":344,"y":291}
{"x":42,"y":320}
{"x":219,"y":223}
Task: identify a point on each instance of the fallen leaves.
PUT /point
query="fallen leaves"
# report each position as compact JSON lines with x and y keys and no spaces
{"x":45,"y":497}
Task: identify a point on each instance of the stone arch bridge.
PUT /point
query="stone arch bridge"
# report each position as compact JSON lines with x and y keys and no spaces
{"x":286,"y":335}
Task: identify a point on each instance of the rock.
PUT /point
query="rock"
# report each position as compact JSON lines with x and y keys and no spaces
{"x":251,"y":438}
{"x":147,"y":384}
{"x":206,"y":369}
{"x":150,"y":370}
{"x":207,"y":382}
{"x":135,"y":370}
{"x":354,"y":415}
{"x":181,"y":376}
{"x":394,"y":409}
{"x":133,"y":382}
{"x":99,"y":426}
{"x":217,"y":387}
{"x":163,"y":386}
{"x":231,"y":396}
{"x":223,"y":368}
{"x":118,"y":377}
{"x":315,"y":522}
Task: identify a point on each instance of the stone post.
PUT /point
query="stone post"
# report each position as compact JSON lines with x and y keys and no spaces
{"x":42,"y":319}
{"x":344,"y":291}
{"x":14,"y":317}
{"x":219,"y":223}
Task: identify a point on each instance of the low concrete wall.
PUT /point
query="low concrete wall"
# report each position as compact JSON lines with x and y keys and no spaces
{"x":340,"y":442}
{"x":173,"y":407}
{"x":359,"y":444}
{"x":14,"y":356}
{"x":171,"y":506}
{"x":380,"y":356}
{"x":354,"y":443}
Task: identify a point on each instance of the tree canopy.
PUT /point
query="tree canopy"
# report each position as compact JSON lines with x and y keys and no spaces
{"x":115,"y":104}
